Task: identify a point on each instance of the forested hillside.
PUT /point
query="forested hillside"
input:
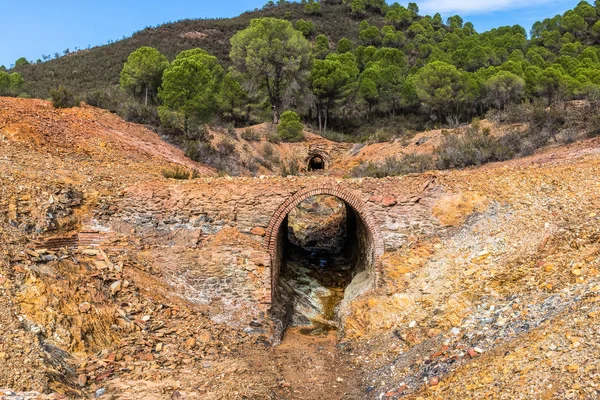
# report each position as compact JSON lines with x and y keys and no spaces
{"x":352,"y":66}
{"x":98,"y":67}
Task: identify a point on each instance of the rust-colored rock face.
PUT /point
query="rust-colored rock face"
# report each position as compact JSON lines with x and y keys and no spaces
{"x":319,"y":221}
{"x":197,"y":216}
{"x":116,"y":279}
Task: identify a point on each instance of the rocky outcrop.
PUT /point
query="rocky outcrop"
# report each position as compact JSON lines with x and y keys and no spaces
{"x":484,"y":276}
{"x":318,"y":221}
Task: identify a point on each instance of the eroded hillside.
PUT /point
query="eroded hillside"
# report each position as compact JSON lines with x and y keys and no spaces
{"x":117,"y":281}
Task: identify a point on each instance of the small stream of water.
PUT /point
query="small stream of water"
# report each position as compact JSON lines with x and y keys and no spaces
{"x":319,"y":279}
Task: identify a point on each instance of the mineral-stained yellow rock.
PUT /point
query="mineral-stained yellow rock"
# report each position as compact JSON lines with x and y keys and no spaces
{"x":452,"y":210}
{"x":520,"y":281}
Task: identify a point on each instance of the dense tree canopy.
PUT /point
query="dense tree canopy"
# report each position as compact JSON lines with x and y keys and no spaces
{"x":21,"y":62}
{"x":312,"y":7}
{"x":10,"y":84}
{"x":190,"y":86}
{"x":274,"y":57}
{"x":233,"y":99}
{"x":409,"y":63}
{"x":306,"y":27}
{"x":504,"y":87}
{"x":321,"y":47}
{"x":440,"y":87}
{"x":332,"y":80}
{"x":344,"y":64}
{"x":344,"y":45}
{"x":290,"y":128}
{"x":142,"y":73}
{"x":448,"y":69}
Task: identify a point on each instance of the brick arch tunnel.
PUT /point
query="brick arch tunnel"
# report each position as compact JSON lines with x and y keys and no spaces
{"x":365,"y":242}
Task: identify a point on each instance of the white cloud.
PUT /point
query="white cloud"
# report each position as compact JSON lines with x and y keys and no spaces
{"x":472,"y":7}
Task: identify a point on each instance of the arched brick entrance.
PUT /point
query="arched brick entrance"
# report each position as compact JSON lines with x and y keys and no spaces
{"x":368,"y":245}
{"x":349,"y":198}
{"x":316,"y":162}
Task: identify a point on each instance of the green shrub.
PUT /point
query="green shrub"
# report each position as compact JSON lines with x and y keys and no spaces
{"x":226,"y":147}
{"x":407,"y":164}
{"x":63,"y":98}
{"x":173,"y":123}
{"x":98,"y":98}
{"x":141,"y":114}
{"x":250,"y":135}
{"x":512,"y":114}
{"x":339,"y":137}
{"x":306,"y":27}
{"x":290,"y":167}
{"x":203,"y":152}
{"x":290,"y":127}
{"x":110,"y":98}
{"x":180,"y":172}
{"x":476,"y":148}
{"x":268,"y":150}
{"x":273,"y":138}
{"x":380,"y":136}
{"x":231,"y":131}
{"x":170,"y":121}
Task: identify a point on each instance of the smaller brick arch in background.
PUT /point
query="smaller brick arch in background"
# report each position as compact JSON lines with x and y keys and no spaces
{"x":349,"y":198}
{"x":311,"y":157}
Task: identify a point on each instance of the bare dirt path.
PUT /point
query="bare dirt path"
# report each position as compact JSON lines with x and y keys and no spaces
{"x":308,"y":368}
{"x":315,"y":368}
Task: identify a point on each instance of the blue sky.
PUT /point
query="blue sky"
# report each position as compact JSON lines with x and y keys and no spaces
{"x":35,"y":27}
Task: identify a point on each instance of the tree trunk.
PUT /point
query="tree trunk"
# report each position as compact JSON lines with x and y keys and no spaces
{"x":277,"y":95}
{"x":326,"y":116}
{"x":273,"y":98}
{"x":146,"y":95}
{"x":319,"y":113}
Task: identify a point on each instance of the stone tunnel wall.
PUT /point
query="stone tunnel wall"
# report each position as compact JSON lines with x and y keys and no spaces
{"x":370,"y":242}
{"x":212,"y":235}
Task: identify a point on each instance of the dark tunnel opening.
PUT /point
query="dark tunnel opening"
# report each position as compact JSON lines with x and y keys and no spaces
{"x":316,"y":163}
{"x":324,"y":259}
